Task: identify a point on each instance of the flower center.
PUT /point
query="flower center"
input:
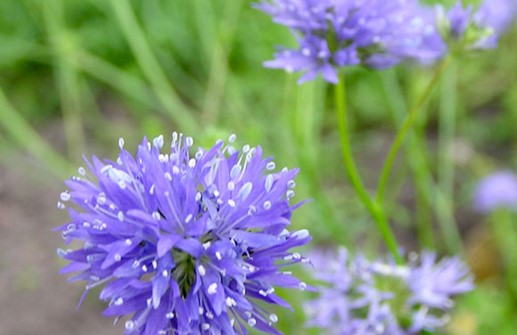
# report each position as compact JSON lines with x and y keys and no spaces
{"x":184,"y":272}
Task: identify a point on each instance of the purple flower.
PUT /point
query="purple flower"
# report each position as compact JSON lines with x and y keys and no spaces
{"x":333,"y":34}
{"x":432,"y":285}
{"x":498,"y":15}
{"x":498,"y":190}
{"x":184,"y":244}
{"x":476,"y":29}
{"x":363,"y":297}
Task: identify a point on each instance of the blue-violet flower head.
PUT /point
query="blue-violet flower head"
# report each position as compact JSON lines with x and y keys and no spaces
{"x":498,"y":190}
{"x":380,"y":297}
{"x":184,"y":244}
{"x":333,"y":34}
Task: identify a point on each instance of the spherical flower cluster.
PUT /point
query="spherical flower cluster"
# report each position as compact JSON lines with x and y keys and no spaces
{"x":184,"y":244}
{"x":498,"y":190}
{"x":332,"y":34}
{"x":363,"y":297}
{"x":380,"y":33}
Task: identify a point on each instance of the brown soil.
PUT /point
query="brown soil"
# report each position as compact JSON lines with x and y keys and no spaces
{"x":35,"y":298}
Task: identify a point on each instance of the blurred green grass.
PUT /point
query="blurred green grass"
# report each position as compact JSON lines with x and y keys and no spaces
{"x":85,"y":72}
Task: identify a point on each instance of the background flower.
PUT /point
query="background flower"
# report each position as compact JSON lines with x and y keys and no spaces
{"x":363,"y":297}
{"x":498,"y":190}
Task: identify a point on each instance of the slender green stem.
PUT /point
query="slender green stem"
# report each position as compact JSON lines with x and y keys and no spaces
{"x":445,"y":201}
{"x":406,"y":126}
{"x":63,"y":48}
{"x":179,"y":112}
{"x":373,"y":207}
{"x":25,"y":136}
{"x":503,"y":222}
{"x":225,"y":34}
{"x":414,"y":160}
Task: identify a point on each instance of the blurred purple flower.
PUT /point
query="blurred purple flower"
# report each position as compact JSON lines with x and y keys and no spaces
{"x":476,"y":29}
{"x":499,"y":15}
{"x":362,"y":297}
{"x":184,"y":244}
{"x":498,"y":190}
{"x":332,"y":34}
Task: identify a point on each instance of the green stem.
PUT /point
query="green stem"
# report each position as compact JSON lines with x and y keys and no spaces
{"x":406,"y":126}
{"x":63,"y":48}
{"x":445,"y":199}
{"x":179,"y":112}
{"x":219,"y":68}
{"x":503,"y":221}
{"x":414,"y":160}
{"x":25,"y":136}
{"x":373,"y":207}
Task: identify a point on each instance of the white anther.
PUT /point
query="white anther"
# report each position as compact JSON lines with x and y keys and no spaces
{"x":232,"y":138}
{"x":231,"y":203}
{"x":245,"y":190}
{"x":267,"y":204}
{"x":231,"y":186}
{"x":189,"y":141}
{"x":188,"y":218}
{"x":101,"y":198}
{"x":235,"y":171}
{"x":269,"y":183}
{"x":158,"y":142}
{"x":230,"y":302}
{"x":270,"y":166}
{"x":121,"y":143}
{"x":130,"y":325}
{"x":212,"y":288}
{"x":201,"y":270}
{"x":65,"y":196}
{"x":300,"y":234}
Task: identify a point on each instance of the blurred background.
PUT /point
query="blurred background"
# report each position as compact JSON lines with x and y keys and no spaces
{"x":76,"y":75}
